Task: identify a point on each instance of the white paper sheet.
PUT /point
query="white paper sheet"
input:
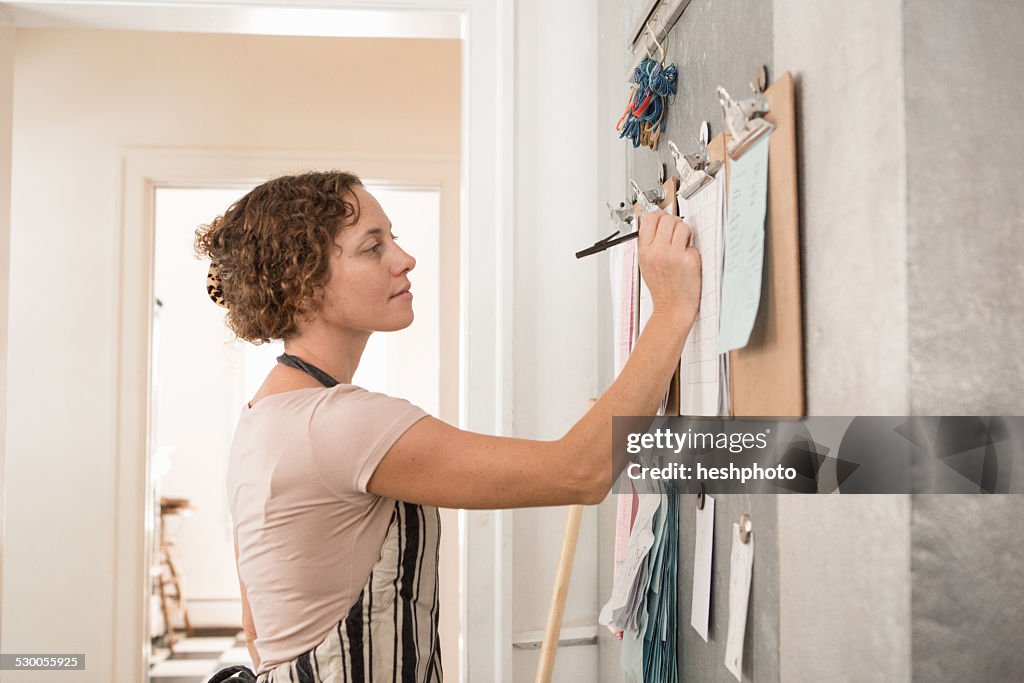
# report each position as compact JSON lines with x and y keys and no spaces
{"x":740,"y":570}
{"x":640,"y":541}
{"x":624,"y":279}
{"x":700,"y":614}
{"x":625,"y":511}
{"x":700,"y":388}
{"x":646,"y":307}
{"x":744,"y":246}
{"x":624,"y":283}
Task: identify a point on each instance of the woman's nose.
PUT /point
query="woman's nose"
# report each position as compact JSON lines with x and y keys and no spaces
{"x":405,"y":261}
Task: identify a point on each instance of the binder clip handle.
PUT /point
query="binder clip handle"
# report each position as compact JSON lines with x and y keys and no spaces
{"x":760,"y":83}
{"x":645,"y":203}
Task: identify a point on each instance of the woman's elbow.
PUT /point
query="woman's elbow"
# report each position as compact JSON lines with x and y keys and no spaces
{"x":588,"y":483}
{"x":589,"y":488}
{"x":597,"y":490}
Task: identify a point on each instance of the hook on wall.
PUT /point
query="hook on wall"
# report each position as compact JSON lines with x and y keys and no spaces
{"x":746,"y":528}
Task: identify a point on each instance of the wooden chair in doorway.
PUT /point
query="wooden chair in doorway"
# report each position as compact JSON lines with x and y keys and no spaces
{"x":169,"y":578}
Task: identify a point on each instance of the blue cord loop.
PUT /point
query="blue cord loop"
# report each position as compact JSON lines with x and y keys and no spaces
{"x":651,"y":75}
{"x":654,"y":84}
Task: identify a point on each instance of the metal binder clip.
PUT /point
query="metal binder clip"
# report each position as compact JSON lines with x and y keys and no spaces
{"x":621,"y":214}
{"x":656,"y":195}
{"x":695,"y":170}
{"x":744,"y":119}
{"x":649,"y":199}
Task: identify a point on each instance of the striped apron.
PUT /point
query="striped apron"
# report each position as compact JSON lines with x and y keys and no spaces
{"x":390,"y":633}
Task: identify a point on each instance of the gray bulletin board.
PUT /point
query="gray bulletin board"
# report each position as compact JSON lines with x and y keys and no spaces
{"x":717,"y":42}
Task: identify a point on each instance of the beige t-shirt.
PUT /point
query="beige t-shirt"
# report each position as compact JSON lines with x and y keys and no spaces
{"x":308,"y":533}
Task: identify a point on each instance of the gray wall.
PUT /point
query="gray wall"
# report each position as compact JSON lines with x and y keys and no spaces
{"x":710,"y":48}
{"x":965,"y":230}
{"x":845,"y":562}
{"x":965,"y":208}
{"x":844,"y":588}
{"x":741,"y":46}
{"x":910,"y":143}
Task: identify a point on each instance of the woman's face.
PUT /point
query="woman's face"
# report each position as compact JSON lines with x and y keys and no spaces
{"x":369,"y":288}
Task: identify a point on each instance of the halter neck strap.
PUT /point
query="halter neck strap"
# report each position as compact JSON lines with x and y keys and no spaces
{"x":308,"y":368}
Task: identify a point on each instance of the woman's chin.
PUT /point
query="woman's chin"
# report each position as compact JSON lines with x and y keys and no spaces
{"x":398,"y":324}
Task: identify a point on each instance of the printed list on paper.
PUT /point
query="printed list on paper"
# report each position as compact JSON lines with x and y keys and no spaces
{"x":744,"y":246}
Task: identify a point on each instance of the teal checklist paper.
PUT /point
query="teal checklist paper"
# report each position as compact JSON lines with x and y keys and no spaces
{"x":744,"y":247}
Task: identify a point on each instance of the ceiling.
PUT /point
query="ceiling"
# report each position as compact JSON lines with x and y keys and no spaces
{"x":260,"y":17}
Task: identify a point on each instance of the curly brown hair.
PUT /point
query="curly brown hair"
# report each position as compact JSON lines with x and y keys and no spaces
{"x":273,"y":250}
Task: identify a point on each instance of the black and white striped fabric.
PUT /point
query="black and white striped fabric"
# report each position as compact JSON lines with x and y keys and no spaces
{"x":390,"y":634}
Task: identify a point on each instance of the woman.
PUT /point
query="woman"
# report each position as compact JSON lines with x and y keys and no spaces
{"x":333,"y":489}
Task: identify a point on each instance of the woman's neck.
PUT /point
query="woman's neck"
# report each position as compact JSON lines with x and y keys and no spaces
{"x":336,"y":354}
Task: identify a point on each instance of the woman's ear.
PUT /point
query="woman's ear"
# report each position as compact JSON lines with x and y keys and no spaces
{"x":305,"y":311}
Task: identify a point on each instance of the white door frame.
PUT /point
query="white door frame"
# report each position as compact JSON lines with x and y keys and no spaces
{"x":486,"y":317}
{"x":143,"y":170}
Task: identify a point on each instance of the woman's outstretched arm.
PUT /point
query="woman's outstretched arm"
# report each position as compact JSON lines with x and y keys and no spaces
{"x":437,"y":464}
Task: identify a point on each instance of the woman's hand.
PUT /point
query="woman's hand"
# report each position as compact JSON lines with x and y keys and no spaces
{"x":669,"y":265}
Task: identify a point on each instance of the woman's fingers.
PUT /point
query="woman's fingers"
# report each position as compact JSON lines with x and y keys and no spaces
{"x":683,"y":234}
{"x":666,"y":228}
{"x":669,"y":265}
{"x":659,"y":227}
{"x":649,"y":227}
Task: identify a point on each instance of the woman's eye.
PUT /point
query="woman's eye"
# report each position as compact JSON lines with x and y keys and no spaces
{"x":374,"y":249}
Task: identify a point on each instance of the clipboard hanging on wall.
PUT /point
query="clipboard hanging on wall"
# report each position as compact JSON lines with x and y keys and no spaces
{"x":766,"y":377}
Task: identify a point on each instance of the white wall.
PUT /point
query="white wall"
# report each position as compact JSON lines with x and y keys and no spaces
{"x":558,"y":201}
{"x":6,"y":91}
{"x":612,"y":152}
{"x":78,"y":101}
{"x":410,"y":359}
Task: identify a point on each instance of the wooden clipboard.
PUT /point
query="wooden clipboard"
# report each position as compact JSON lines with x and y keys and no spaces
{"x":766,"y":377}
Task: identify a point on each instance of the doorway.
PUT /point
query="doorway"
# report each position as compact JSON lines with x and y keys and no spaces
{"x":202,"y":375}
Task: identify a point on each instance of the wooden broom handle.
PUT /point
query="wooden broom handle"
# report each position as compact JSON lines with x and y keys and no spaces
{"x":554,"y":625}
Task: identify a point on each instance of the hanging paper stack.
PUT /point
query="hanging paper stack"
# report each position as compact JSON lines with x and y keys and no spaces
{"x":644,"y":118}
{"x":659,"y":631}
{"x":644,"y":600}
